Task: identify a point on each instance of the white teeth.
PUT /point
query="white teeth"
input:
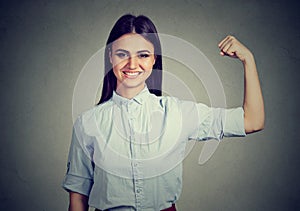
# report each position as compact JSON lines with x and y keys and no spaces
{"x":131,"y":73}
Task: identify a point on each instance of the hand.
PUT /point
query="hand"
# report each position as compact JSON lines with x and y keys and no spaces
{"x":231,"y":47}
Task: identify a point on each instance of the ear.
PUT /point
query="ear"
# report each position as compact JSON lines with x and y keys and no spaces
{"x":154,"y":60}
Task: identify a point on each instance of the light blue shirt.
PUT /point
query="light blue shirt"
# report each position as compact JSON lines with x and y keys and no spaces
{"x":127,"y":154}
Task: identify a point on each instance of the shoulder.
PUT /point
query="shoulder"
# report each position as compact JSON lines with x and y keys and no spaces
{"x":89,"y":114}
{"x":185,"y":107}
{"x":166,"y":101}
{"x":87,"y":120}
{"x":171,"y":102}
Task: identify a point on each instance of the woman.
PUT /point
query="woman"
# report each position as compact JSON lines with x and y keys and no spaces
{"x":126,"y":153}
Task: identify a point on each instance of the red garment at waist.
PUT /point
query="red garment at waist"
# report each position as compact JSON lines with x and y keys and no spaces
{"x":173,"y":208}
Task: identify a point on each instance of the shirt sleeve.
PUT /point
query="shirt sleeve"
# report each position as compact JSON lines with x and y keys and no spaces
{"x":234,"y":122}
{"x":215,"y":123}
{"x":80,"y":167}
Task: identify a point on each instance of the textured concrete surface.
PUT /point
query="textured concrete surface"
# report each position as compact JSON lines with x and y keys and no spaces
{"x":45,"y":44}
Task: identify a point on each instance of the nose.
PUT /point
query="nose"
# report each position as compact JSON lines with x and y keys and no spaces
{"x":133,"y":62}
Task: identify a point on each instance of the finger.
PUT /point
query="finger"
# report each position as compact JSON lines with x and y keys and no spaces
{"x":222,"y":41}
{"x":226,"y":46}
{"x":225,"y":41}
{"x":231,"y":51}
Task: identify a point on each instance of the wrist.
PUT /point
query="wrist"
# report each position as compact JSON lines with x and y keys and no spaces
{"x":248,"y":59}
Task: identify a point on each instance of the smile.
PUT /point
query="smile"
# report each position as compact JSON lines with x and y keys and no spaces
{"x":131,"y":74}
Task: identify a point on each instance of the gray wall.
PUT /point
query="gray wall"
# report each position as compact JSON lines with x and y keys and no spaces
{"x":45,"y":44}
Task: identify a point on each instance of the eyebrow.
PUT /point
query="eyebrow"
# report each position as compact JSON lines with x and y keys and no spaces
{"x":125,"y":51}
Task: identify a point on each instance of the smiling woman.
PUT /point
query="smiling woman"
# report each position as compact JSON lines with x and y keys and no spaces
{"x":132,"y":58}
{"x":140,"y":26}
{"x":126,"y":153}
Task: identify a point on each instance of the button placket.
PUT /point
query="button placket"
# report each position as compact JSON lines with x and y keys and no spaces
{"x":137,"y":174}
{"x":131,"y":130}
{"x":138,"y":184}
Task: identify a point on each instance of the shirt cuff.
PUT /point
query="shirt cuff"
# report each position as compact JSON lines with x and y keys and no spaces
{"x":77,"y":184}
{"x":234,"y":122}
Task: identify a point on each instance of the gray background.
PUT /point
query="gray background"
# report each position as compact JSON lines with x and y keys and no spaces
{"x":45,"y":44}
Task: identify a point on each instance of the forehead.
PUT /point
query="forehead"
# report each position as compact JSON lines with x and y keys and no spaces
{"x":132,"y":42}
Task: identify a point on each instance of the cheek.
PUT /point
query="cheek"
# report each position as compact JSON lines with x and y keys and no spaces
{"x":117,"y":64}
{"x":147,"y":65}
{"x":116,"y":67}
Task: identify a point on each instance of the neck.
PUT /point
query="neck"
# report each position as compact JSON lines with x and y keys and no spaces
{"x":128,"y":92}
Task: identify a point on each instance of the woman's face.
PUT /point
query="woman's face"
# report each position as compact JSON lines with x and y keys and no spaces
{"x":132,"y":58}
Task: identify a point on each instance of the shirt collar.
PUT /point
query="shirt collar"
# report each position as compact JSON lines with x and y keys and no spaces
{"x":139,"y":98}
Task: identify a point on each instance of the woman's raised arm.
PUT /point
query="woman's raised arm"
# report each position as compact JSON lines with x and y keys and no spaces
{"x":254,"y":116}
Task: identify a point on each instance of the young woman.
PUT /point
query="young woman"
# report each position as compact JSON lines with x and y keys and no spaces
{"x":126,"y":152}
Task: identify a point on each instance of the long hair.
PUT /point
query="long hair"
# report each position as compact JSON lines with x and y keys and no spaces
{"x":141,"y":25}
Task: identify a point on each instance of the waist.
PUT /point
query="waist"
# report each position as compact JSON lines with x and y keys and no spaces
{"x":172,"y":208}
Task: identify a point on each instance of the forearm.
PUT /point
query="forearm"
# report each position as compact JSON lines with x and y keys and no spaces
{"x":78,"y":202}
{"x":253,"y":105}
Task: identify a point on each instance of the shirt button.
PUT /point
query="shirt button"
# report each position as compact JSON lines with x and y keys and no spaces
{"x":135,"y":164}
{"x":138,"y":190}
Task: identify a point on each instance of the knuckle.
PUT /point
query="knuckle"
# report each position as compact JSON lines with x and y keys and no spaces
{"x":232,"y":38}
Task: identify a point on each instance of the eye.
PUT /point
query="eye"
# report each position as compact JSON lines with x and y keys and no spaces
{"x":122,"y":55}
{"x":144,"y":55}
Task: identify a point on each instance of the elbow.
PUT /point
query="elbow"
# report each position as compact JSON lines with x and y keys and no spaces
{"x":257,"y":127}
{"x":254,"y":119}
{"x":254,"y":126}
{"x":254,"y":129}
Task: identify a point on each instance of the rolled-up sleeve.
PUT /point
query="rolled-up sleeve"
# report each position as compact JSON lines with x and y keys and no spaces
{"x":234,"y":122}
{"x":80,"y":168}
{"x":216,"y":123}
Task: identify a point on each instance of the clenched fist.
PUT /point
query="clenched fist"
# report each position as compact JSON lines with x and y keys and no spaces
{"x":231,"y":47}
